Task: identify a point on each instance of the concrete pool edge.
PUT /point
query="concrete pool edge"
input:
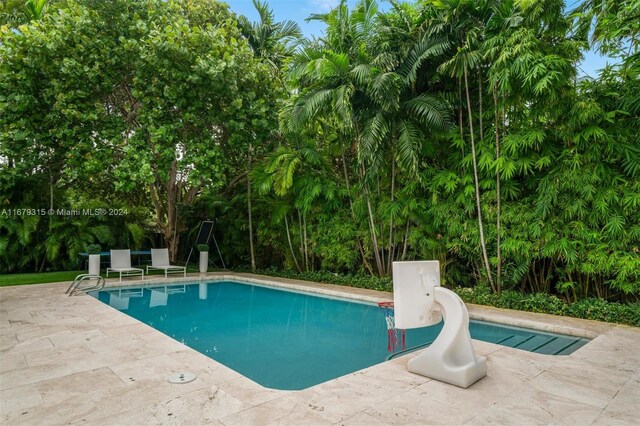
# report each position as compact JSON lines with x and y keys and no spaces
{"x":592,"y":383}
{"x":538,"y":321}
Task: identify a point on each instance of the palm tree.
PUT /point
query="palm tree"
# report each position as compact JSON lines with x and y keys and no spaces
{"x":270,"y":42}
{"x":401,"y":115}
{"x":367,"y":89}
{"x":329,"y":72}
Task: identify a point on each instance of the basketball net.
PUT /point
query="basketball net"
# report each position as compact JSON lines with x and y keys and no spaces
{"x":396,"y":338}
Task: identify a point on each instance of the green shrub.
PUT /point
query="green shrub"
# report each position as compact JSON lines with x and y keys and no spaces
{"x":203,"y":247}
{"x":593,"y":309}
{"x":601,"y":310}
{"x":360,"y":281}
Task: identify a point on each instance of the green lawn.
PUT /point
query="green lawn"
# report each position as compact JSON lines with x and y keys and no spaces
{"x":65,"y":276}
{"x":38,"y":278}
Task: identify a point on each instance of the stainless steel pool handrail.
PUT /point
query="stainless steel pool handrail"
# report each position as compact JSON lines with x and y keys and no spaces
{"x":75,"y":288}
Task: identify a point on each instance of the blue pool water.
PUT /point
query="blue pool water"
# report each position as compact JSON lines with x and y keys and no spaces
{"x":288,"y":340}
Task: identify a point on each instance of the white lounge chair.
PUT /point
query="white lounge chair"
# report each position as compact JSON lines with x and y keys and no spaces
{"x":121,"y":263}
{"x":160,"y":260}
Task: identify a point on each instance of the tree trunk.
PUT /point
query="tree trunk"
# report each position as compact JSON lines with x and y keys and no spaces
{"x":249,"y":208}
{"x":498,"y":195}
{"x":391,"y":248}
{"x":50,"y":192}
{"x":293,"y":255}
{"x":306,"y":244}
{"x":481,"y":122}
{"x":166,"y":197}
{"x":477,"y":185}
{"x":372,"y":229}
{"x":172,"y":239}
{"x":374,"y":238}
{"x":406,"y":241}
{"x":304,"y":259}
{"x":460,"y":126}
{"x":44,"y":261}
{"x":381,"y":229}
{"x":44,"y":257}
{"x":353,"y":214}
{"x":173,"y":191}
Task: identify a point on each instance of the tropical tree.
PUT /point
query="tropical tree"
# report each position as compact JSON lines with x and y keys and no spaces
{"x":271,"y":42}
{"x":455,"y":130}
{"x":157,"y":101}
{"x":405,"y":112}
{"x":331,"y":93}
{"x":369,"y":92}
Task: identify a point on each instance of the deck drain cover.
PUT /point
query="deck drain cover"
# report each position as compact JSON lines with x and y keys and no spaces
{"x":181,"y":378}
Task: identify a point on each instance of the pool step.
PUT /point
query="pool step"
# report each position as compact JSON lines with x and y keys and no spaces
{"x":543,"y":344}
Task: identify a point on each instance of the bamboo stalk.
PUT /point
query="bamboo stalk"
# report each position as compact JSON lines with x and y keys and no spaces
{"x":293,"y":255}
{"x":477,"y":185}
{"x":498,"y":195}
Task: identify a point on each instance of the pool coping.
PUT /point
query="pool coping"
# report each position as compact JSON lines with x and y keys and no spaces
{"x":44,"y":331}
{"x":577,"y":327}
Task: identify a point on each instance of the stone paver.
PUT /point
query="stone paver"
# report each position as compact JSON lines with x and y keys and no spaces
{"x":71,"y":360}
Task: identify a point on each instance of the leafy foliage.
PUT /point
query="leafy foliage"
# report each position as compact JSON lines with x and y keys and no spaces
{"x":142,"y":97}
{"x":460,"y":131}
{"x":360,"y":281}
{"x":590,"y":308}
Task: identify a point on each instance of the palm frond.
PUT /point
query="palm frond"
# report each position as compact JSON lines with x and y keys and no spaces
{"x":427,"y":47}
{"x":410,"y":139}
{"x":430,"y":111}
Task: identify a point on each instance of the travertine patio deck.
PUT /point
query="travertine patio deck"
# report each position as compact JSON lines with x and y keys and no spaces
{"x":69,"y":360}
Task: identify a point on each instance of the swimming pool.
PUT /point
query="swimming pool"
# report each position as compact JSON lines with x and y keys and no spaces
{"x":289,"y":340}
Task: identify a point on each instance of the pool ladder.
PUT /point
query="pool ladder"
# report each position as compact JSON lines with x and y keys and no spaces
{"x":75,"y":288}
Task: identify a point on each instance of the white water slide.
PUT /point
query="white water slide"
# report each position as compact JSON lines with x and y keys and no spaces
{"x":419,"y":301}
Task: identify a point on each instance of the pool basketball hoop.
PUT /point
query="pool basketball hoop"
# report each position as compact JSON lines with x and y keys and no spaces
{"x":396,"y":339}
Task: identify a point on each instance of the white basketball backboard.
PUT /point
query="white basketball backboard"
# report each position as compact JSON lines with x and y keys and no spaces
{"x":413,"y":294}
